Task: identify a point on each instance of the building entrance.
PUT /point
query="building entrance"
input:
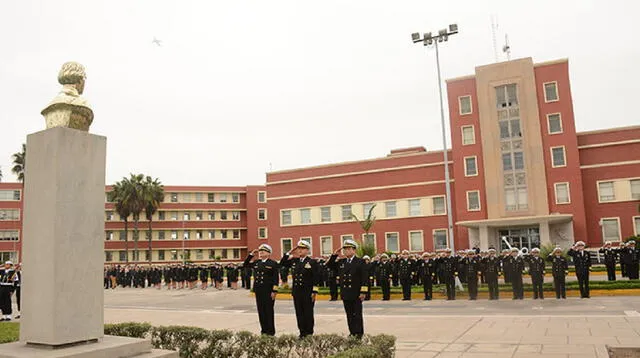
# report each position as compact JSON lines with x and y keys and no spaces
{"x":528,"y":237}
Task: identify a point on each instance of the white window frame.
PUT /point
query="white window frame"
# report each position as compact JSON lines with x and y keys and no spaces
{"x":564,"y":156}
{"x":282,"y":239}
{"x":473,"y":134}
{"x":433,"y":237}
{"x":559,"y":121}
{"x":342,"y":216}
{"x":411,"y":248}
{"x":375,"y":241}
{"x":322,"y":218}
{"x":386,"y":242}
{"x":266,"y":232}
{"x":460,"y":105}
{"x":631,"y":187}
{"x":308,"y":210}
{"x":282,"y":217}
{"x":386,"y":209}
{"x":265,"y":213}
{"x":602,"y":220}
{"x":544,"y":90}
{"x":258,"y":196}
{"x":636,"y":228}
{"x":365,"y":210}
{"x":419,"y":207}
{"x":468,"y":201}
{"x":444,"y":205}
{"x":475,"y":159}
{"x":613,"y":188}
{"x":555,"y":191}
{"x":331,"y":246}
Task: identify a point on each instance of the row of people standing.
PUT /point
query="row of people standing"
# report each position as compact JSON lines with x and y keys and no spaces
{"x":176,"y":276}
{"x":624,"y":253}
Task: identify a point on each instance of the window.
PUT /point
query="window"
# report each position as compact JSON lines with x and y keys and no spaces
{"x":470,"y":167}
{"x":606,"y":191}
{"x":522,"y":198}
{"x":108,"y":256}
{"x":161,"y":235}
{"x":390,"y":209}
{"x":392,"y":242}
{"x":212,"y":254}
{"x":199,"y":235}
{"x":174,"y":215}
{"x":554,"y":123}
{"x":198,"y":197}
{"x":465,"y":105}
{"x":212,"y":234}
{"x":174,"y":197}
{"x":473,"y":200}
{"x":286,"y":245}
{"x":211,"y":197}
{"x":212,"y":215}
{"x":344,"y":238}
{"x":308,"y":240}
{"x":636,"y":225}
{"x":147,"y":255}
{"x":186,"y":254}
{"x":236,"y":253}
{"x":9,"y":214}
{"x":161,"y":215}
{"x":518,"y":160}
{"x":235,"y":197}
{"x":236,"y":234}
{"x":122,"y":235}
{"x":286,"y":217}
{"x":305,"y":216}
{"x":438,"y":205}
{"x":558,"y":157}
{"x":186,"y":216}
{"x":174,"y":235}
{"x":109,"y":215}
{"x":262,"y":232}
{"x":366,"y":208}
{"x":468,"y":135}
{"x":199,"y":254}
{"x":507,"y":164}
{"x":235,"y":215}
{"x":506,"y":96}
{"x":9,"y":195}
{"x":635,"y":189}
{"x":262,"y":214}
{"x":109,"y":236}
{"x":223,"y":234}
{"x":551,"y":91}
{"x":369,"y":239}
{"x":186,"y":235}
{"x":223,"y":215}
{"x":346,"y":212}
{"x":325,"y":214}
{"x":198,"y":215}
{"x":122,"y":256}
{"x":610,"y":229}
{"x":262,"y":196}
{"x":440,"y":241}
{"x":326,"y":245}
{"x":186,"y":197}
{"x":414,"y":207}
{"x":223,"y":197}
{"x":562,"y":193}
{"x":160,"y":255}
{"x":416,"y":243}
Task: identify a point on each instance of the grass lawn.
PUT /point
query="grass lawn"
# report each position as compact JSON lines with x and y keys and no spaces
{"x":9,"y":332}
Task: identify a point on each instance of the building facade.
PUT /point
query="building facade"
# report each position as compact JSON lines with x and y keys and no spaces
{"x":521,"y":175}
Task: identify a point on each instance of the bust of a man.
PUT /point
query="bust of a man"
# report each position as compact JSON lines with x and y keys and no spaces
{"x":69,"y":109}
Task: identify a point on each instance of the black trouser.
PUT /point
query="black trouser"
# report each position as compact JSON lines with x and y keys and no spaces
{"x":537,"y":279}
{"x":559,"y":285}
{"x":450,"y":282}
{"x":507,"y":276}
{"x":394,"y":280}
{"x":406,"y":288}
{"x":516,"y":286}
{"x":472,"y":285}
{"x":5,"y":299}
{"x":623,"y":269}
{"x":353,"y":309}
{"x":632,"y":271}
{"x":492,"y":281}
{"x":367,"y":296}
{"x":18,"y":297}
{"x":386,"y":289}
{"x":427,"y":284}
{"x":611,"y":271}
{"x":303,"y":304}
{"x":583,"y":282}
{"x":264,"y":304}
{"x":333,"y":289}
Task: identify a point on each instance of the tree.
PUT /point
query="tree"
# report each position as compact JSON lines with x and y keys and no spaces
{"x":366,"y":248}
{"x":136,"y":206}
{"x":119,"y":197}
{"x":153,"y":196}
{"x":19,"y":160}
{"x":0,"y":174}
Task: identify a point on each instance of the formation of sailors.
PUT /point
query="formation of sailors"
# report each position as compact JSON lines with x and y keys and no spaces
{"x":10,"y":280}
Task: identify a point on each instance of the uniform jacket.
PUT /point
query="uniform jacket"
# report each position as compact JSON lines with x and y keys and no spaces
{"x":559,"y":265}
{"x":353,"y":277}
{"x":515,"y":265}
{"x":536,"y":265}
{"x":629,"y":256}
{"x":427,"y":268}
{"x":384,"y":269}
{"x":406,"y":268}
{"x":491,"y":265}
{"x":471,"y":265}
{"x":448,"y":265}
{"x":581,"y":259}
{"x":305,"y":273}
{"x":265,"y":274}
{"x":610,"y":255}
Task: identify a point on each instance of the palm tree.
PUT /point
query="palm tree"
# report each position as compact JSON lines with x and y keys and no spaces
{"x":366,"y":224}
{"x":119,"y":197}
{"x":153,"y":196}
{"x":19,"y":160}
{"x":136,"y":206}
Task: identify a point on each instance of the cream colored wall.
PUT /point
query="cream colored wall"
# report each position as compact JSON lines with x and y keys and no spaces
{"x":155,"y":256}
{"x":621,"y":189}
{"x":488,"y":77}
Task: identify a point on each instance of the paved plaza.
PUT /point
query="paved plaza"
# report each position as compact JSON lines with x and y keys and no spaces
{"x":439,"y":328}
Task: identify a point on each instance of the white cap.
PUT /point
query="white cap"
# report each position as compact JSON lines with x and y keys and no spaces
{"x":580,"y":243}
{"x":471,"y":251}
{"x":350,"y":243}
{"x":535,"y":249}
{"x":265,"y":247}
{"x":366,"y":257}
{"x":8,"y":263}
{"x":304,"y":244}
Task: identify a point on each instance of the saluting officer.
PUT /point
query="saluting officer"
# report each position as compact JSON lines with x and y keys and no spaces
{"x":491,"y":266}
{"x":582,"y":263}
{"x":353,"y":285}
{"x":471,"y":264}
{"x":631,"y":260}
{"x":427,"y":272}
{"x":449,"y":266}
{"x":536,"y":270}
{"x":516,"y":264}
{"x":306,"y":277}
{"x":559,"y":269}
{"x":405,"y":271}
{"x":610,"y":258}
{"x":265,"y":286}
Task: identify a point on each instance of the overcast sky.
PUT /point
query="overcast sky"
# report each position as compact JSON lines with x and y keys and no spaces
{"x":239,"y":87}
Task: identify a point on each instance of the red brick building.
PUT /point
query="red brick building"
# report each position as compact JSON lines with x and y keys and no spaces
{"x":520,"y":173}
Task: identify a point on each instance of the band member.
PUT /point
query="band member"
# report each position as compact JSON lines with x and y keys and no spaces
{"x":631,"y":259}
{"x":353,"y":285}
{"x":491,"y":266}
{"x":582,"y":263}
{"x":559,"y":269}
{"x":610,"y":258}
{"x":306,"y":277}
{"x":471,"y":264}
{"x":265,"y":286}
{"x":536,"y":270}
{"x":449,"y":265}
{"x":385,"y":270}
{"x":7,"y":282}
{"x":516,"y":264}
{"x":405,"y":271}
{"x":427,"y":272}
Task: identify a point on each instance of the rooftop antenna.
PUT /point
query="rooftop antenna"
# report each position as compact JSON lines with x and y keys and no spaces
{"x":506,"y":48}
{"x":494,"y":31}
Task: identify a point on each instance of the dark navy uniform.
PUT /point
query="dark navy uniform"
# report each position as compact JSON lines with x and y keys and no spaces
{"x":471,"y":264}
{"x":353,"y":283}
{"x":7,"y":282}
{"x":405,"y":272}
{"x":265,"y":273}
{"x":610,"y":258}
{"x":559,"y":269}
{"x":491,"y":267}
{"x":536,"y":270}
{"x":582,"y":262}
{"x":516,"y":265}
{"x":306,"y":278}
{"x":631,"y":257}
{"x":449,"y":265}
{"x":427,"y":272}
{"x":385,"y":271}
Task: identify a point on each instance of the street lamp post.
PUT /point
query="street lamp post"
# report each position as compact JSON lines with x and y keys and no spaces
{"x":429,"y":39}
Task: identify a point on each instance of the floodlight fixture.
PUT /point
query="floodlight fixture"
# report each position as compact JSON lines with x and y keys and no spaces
{"x":453,"y":29}
{"x":415,"y":37}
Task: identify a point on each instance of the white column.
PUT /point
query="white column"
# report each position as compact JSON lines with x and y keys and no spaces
{"x":484,"y":237}
{"x":545,"y":234}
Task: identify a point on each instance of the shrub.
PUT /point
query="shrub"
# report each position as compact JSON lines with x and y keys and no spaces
{"x":128,"y":329}
{"x":358,"y":352}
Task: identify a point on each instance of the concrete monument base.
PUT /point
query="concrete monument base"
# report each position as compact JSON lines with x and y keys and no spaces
{"x":107,"y":347}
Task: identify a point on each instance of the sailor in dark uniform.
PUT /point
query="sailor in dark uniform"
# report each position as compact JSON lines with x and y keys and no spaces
{"x":265,"y":286}
{"x":491,"y":267}
{"x":631,"y":259}
{"x":369,"y":267}
{"x":449,"y":266}
{"x":427,"y":271}
{"x":610,"y":258}
{"x":582,"y":262}
{"x":537,"y":271}
{"x":7,"y":282}
{"x":559,"y":269}
{"x":471,"y":265}
{"x":385,"y":271}
{"x":405,"y":272}
{"x":515,"y":263}
{"x":306,"y":277}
